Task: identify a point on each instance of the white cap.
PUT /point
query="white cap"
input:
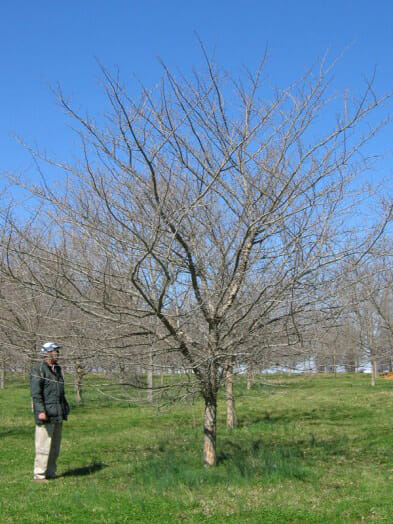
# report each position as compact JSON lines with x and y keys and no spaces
{"x":49,"y":346}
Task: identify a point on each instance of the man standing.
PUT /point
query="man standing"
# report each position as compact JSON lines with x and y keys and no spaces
{"x":50,"y":409}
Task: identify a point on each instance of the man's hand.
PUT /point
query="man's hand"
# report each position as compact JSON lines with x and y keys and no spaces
{"x":42,"y":416}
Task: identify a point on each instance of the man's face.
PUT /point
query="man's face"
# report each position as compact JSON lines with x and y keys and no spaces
{"x":52,"y":357}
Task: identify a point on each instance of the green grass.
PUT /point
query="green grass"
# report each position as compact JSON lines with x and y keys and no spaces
{"x":307,"y":449}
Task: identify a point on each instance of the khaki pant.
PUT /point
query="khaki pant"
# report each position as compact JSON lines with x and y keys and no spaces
{"x":47,"y":449}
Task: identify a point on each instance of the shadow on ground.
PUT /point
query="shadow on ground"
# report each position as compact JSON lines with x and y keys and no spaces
{"x":329,"y":415}
{"x":17,"y":431}
{"x":85,"y":470}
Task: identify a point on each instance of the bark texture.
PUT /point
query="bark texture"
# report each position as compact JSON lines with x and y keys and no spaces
{"x":210,"y":426}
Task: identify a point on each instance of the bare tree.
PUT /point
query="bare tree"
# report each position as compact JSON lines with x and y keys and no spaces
{"x":25,"y":317}
{"x":211,"y":206}
{"x":372,"y":308}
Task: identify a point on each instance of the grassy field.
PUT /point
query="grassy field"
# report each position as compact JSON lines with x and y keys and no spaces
{"x":307,"y":449}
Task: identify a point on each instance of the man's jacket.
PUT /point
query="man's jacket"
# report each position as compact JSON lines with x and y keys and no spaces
{"x":47,"y":391}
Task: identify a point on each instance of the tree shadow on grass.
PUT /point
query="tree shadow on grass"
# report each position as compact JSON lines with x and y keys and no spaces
{"x":329,"y":415}
{"x":263,"y":459}
{"x":293,"y":459}
{"x":84,"y":470}
{"x":17,"y":431}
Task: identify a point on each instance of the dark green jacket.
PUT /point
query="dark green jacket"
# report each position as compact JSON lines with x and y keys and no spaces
{"x":47,"y":391}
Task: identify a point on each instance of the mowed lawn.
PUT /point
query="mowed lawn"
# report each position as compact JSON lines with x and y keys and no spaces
{"x":306,"y":449}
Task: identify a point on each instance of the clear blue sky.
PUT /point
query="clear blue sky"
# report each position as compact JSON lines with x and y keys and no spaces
{"x":45,"y":42}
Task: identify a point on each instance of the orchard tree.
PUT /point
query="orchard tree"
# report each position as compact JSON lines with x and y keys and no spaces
{"x":206,"y":211}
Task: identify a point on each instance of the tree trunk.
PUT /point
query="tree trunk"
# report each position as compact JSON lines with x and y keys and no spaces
{"x":149,"y":378}
{"x":210,"y":426}
{"x":250,"y":377}
{"x":26,"y":371}
{"x":78,"y":383}
{"x":2,"y":372}
{"x":231,"y":411}
{"x":334,"y":365}
{"x":122,"y":372}
{"x":373,"y":370}
{"x":78,"y":390}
